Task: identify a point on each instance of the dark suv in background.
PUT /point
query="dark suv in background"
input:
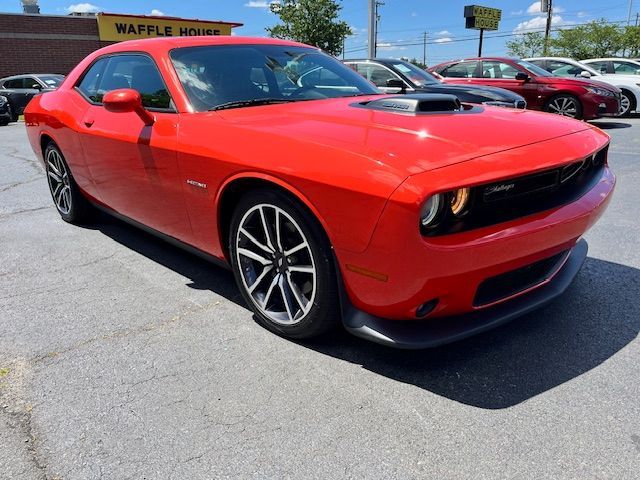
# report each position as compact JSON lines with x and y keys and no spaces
{"x":19,"y":89}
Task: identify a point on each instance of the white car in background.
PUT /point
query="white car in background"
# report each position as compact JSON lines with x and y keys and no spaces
{"x":614,"y":66}
{"x":567,"y":67}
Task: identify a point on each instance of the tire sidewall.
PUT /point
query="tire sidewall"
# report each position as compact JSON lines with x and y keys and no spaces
{"x":324,"y":313}
{"x":631,"y":99}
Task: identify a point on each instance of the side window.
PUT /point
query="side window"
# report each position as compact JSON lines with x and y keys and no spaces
{"x":91,"y":79}
{"x":599,"y":66}
{"x":562,"y":69}
{"x":498,"y":70}
{"x":626,"y":68}
{"x":137,"y":72}
{"x":460,"y":70}
{"x":15,"y":83}
{"x":376,"y":74}
{"x":31,"y":83}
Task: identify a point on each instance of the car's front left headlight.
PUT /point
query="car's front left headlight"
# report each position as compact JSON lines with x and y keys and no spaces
{"x":600,"y":91}
{"x":3,"y":100}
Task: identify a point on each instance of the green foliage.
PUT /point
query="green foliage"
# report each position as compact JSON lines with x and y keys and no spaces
{"x":631,"y":41}
{"x":526,"y":45}
{"x":417,"y":63}
{"x":591,"y":40}
{"x":314,"y":22}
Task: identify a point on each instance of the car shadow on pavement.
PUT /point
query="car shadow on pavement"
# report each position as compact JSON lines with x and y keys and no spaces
{"x":592,"y":321}
{"x":498,"y":369}
{"x":610,"y":125}
{"x":204,"y":275}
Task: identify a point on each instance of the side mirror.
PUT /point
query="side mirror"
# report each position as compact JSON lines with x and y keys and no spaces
{"x":36,"y":86}
{"x":585,"y":74}
{"x":397,"y":83}
{"x":522,"y":77}
{"x":124,"y":100}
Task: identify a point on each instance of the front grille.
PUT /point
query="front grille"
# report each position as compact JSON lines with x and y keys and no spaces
{"x":514,"y":198}
{"x":516,"y":281}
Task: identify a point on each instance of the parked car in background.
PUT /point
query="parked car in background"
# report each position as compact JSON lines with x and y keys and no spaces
{"x":20,"y":89}
{"x":395,"y":76}
{"x":614,"y":66}
{"x":414,"y":219}
{"x":6,"y":111}
{"x":567,"y":67}
{"x":575,"y":98}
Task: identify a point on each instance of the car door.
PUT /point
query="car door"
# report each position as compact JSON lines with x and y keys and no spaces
{"x":133,"y":165}
{"x":601,"y":66}
{"x":461,"y":72}
{"x":625,"y":68}
{"x":20,"y":95}
{"x":501,"y":74}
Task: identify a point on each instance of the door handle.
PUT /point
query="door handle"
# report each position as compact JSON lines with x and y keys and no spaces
{"x":89,"y":122}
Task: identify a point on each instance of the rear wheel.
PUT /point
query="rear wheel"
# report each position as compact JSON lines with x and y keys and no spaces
{"x":72,"y":206}
{"x":8,"y":118}
{"x":283,"y":265}
{"x":627,"y":103}
{"x":14,"y":114}
{"x":565,"y":105}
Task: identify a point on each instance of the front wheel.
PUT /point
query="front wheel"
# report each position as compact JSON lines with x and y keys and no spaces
{"x":627,"y":103}
{"x":283,"y":265}
{"x":565,"y":105}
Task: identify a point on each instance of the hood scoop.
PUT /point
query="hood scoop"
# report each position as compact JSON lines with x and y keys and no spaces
{"x":415,"y":103}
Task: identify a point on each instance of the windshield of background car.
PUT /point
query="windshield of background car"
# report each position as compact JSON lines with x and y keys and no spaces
{"x":216,"y":75}
{"x":535,"y":69}
{"x":417,"y":76}
{"x":52,"y":81}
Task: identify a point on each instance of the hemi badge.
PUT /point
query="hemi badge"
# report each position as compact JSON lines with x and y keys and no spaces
{"x":196,"y":184}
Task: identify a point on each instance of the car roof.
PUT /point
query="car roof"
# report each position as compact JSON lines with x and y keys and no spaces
{"x":609,"y":59}
{"x":381,"y":60}
{"x":566,"y":59}
{"x":22,"y":75}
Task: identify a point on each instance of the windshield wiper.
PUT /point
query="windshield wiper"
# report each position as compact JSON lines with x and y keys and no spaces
{"x":250,"y":103}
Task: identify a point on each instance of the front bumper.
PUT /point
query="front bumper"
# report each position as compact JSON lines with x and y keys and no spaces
{"x":412,"y":334}
{"x":596,"y":106}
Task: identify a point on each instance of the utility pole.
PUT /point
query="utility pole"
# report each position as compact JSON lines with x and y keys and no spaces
{"x":373,"y":6}
{"x":424,"y":50}
{"x":547,"y":31}
{"x":629,"y":15}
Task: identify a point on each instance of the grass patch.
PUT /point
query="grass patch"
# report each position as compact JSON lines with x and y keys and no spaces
{"x":4,"y":372}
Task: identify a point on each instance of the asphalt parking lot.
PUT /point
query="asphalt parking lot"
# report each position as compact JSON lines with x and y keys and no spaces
{"x":123,"y":357}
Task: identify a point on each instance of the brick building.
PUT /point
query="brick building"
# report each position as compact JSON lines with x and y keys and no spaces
{"x":34,"y":43}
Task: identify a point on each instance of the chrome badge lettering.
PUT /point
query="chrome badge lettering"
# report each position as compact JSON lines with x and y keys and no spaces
{"x":503,"y":187}
{"x":196,"y":184}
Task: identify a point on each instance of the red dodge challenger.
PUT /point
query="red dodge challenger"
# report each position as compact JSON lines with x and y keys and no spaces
{"x":414,"y":220}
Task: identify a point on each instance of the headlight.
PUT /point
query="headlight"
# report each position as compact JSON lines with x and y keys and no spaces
{"x":430,"y":210}
{"x":601,"y":91}
{"x":3,"y":100}
{"x":459,"y":201}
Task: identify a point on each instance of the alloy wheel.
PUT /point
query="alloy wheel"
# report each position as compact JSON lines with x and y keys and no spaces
{"x":59,"y":181}
{"x":276,"y":264}
{"x":625,"y":104}
{"x":564,"y":106}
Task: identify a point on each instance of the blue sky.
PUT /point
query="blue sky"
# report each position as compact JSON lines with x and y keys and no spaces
{"x":402,"y":21}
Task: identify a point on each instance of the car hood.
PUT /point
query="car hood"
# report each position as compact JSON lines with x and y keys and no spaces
{"x":406,"y":143}
{"x":618,"y":79}
{"x":493,"y":93}
{"x":575,"y":82}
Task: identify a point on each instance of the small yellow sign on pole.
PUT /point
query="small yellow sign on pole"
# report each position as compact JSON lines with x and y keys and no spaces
{"x":116,"y":28}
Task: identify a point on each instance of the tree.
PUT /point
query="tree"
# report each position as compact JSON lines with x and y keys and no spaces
{"x":526,"y":45}
{"x":591,"y":40}
{"x":631,"y":41}
{"x":314,"y":22}
{"x":416,"y":62}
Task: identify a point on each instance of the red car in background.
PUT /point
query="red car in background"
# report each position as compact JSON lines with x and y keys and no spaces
{"x":575,"y":98}
{"x":413,"y":219}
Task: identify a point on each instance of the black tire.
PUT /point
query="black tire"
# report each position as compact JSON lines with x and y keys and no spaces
{"x":630,"y":97}
{"x":8,"y":118}
{"x":565,"y":105}
{"x":14,"y":113}
{"x":313,"y":296}
{"x":72,"y":206}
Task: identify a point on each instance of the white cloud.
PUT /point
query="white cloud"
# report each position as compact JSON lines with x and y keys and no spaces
{"x":582,"y":14}
{"x":444,"y":33}
{"x":536,"y":9}
{"x":83,"y":8}
{"x":389,"y":47}
{"x":414,"y":14}
{"x":538,"y":24}
{"x":157,"y":13}
{"x":260,"y":3}
{"x":444,"y":40}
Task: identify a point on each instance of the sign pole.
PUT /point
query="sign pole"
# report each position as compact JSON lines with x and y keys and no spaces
{"x":481,"y":38}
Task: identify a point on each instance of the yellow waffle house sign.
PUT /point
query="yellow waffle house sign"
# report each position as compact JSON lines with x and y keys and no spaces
{"x":116,"y":28}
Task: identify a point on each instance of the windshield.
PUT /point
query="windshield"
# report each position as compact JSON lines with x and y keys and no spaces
{"x":536,"y":70}
{"x":417,"y":76}
{"x":52,"y":81}
{"x":242,"y":75}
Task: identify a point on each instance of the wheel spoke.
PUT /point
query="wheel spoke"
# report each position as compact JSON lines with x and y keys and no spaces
{"x":256,"y":242}
{"x":272,"y":285}
{"x":296,"y":293}
{"x":253,"y":256}
{"x":52,"y":166}
{"x":295,"y":249}
{"x":55,"y":176}
{"x":301,"y":268}
{"x":67,"y":197}
{"x":286,"y":297}
{"x":278,"y":239}
{"x":264,"y":273}
{"x":267,"y":234}
{"x":59,"y":198}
